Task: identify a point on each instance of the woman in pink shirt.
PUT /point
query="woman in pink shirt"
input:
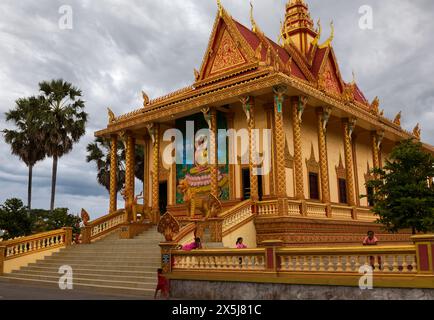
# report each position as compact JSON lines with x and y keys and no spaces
{"x":370,"y":240}
{"x":192,"y":246}
{"x":239,"y":244}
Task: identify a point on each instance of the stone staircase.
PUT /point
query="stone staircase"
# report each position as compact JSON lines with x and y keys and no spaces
{"x":110,"y":265}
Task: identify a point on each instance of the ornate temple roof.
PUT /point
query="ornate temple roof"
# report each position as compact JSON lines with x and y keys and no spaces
{"x":240,"y":56}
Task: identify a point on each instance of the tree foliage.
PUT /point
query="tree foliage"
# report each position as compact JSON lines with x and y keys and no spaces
{"x":14,"y":220}
{"x":403,"y":198}
{"x":99,"y":152}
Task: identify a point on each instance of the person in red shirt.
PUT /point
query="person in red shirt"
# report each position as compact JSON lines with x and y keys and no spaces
{"x":162,"y":285}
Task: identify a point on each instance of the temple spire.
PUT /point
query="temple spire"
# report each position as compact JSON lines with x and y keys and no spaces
{"x":298,"y":27}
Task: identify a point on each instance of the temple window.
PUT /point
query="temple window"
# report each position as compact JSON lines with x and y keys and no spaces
{"x":342,"y":183}
{"x":313,"y":186}
{"x":370,"y":193}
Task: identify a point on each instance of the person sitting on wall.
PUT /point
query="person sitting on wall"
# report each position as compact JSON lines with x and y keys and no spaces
{"x":191,"y":246}
{"x":371,"y":240}
{"x":239,"y":244}
{"x":162,"y":285}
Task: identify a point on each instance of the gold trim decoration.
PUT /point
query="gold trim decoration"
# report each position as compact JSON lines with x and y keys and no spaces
{"x":146,"y":99}
{"x":311,"y":164}
{"x":323,"y":118}
{"x":113,"y":173}
{"x":348,"y":126}
{"x":298,"y":153}
{"x":168,"y":226}
{"x":341,"y":172}
{"x":397,"y":119}
{"x":156,"y":173}
{"x":111,"y":116}
{"x":289,"y":159}
{"x":329,"y":41}
{"x":417,"y":131}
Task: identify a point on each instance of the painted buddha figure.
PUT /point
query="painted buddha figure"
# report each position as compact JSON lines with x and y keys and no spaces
{"x":199,"y":176}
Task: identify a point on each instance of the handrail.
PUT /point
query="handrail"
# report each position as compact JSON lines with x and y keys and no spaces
{"x":234,"y":209}
{"x":206,"y":252}
{"x":36,"y":243}
{"x":102,"y":226}
{"x":348,"y":250}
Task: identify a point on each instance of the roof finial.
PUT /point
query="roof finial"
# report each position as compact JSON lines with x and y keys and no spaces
{"x":330,"y":39}
{"x":219,"y":5}
{"x":252,"y":19}
{"x":354,"y":78}
{"x":318,"y":31}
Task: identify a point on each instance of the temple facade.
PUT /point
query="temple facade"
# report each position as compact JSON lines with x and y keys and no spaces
{"x":268,"y":126}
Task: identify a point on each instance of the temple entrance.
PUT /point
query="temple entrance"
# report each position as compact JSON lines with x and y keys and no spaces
{"x":162,"y":189}
{"x":245,"y":176}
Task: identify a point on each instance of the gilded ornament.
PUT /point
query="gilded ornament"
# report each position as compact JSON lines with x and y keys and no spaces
{"x":85,"y":217}
{"x":111,"y":115}
{"x":397,"y":119}
{"x":375,"y":106}
{"x":146,"y":100}
{"x":328,"y":42}
{"x":417,"y":131}
{"x":168,"y":226}
{"x":196,"y":75}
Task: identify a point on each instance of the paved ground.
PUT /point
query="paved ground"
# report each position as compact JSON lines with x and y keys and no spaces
{"x":14,"y":291}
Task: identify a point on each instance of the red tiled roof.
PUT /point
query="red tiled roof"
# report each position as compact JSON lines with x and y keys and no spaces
{"x":317,"y":60}
{"x":253,"y":40}
{"x":359,"y":96}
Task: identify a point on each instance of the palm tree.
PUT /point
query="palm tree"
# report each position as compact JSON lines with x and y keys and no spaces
{"x":64,"y":122}
{"x":26,"y":141}
{"x":99,"y":152}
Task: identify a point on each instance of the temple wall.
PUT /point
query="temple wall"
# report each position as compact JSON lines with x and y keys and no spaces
{"x":309,"y":134}
{"x":247,"y":232}
{"x":219,"y":290}
{"x":363,"y":151}
{"x":335,"y":148}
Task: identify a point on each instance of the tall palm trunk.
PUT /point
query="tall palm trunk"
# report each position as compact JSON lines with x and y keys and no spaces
{"x":29,"y":189}
{"x":53,"y":182}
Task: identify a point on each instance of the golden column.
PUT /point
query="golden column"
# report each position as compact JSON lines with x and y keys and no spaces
{"x":376,"y":140}
{"x":113,"y":173}
{"x":129,"y":176}
{"x":348,"y":126}
{"x":155,"y":136}
{"x":298,"y":106}
{"x":279,"y":146}
{"x":248,"y":104}
{"x":323,"y":118}
{"x":146,"y":174}
{"x":213,"y":152}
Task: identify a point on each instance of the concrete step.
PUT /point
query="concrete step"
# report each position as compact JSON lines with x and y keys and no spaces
{"x":82,"y":263}
{"x":105,"y":282}
{"x":145,"y":293}
{"x":96,"y":267}
{"x":106,"y":276}
{"x":133,"y":273}
{"x":108,"y":259}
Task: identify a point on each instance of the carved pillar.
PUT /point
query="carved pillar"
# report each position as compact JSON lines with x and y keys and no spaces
{"x":298,"y":105}
{"x":129,"y":176}
{"x":232,"y":160}
{"x":279,"y":146}
{"x":156,"y":172}
{"x":249,"y":109}
{"x":323,"y":117}
{"x":113,"y":173}
{"x":348,"y":126}
{"x":213,"y":153}
{"x":146,"y":174}
{"x":269,"y":112}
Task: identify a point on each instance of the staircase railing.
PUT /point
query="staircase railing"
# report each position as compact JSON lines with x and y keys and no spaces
{"x":236,"y":216}
{"x":102,"y":226}
{"x":12,"y":250}
{"x":391,"y":266}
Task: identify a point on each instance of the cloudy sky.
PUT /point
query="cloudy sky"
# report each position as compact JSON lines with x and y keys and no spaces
{"x":117,"y":48}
